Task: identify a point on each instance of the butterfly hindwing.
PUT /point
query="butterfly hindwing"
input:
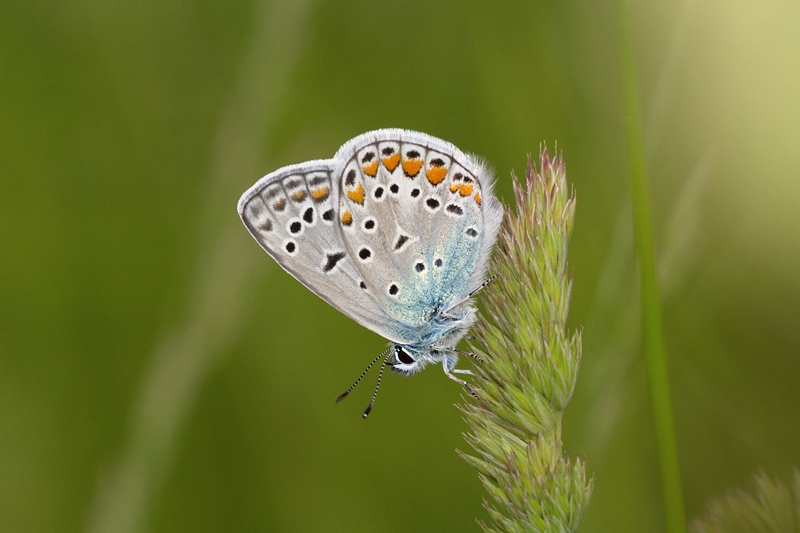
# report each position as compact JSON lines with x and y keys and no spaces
{"x":292,"y":214}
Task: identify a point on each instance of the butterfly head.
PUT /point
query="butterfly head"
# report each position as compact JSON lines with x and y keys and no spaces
{"x":406,"y":360}
{"x":409,"y":359}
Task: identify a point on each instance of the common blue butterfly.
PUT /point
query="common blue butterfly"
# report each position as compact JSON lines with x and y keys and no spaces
{"x":395,"y":232}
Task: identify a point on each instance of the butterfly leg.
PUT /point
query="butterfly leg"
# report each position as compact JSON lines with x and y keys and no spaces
{"x":459,"y":380}
{"x":470,"y":295}
{"x":483,"y":285}
{"x":465,"y":371}
{"x":469,"y":354}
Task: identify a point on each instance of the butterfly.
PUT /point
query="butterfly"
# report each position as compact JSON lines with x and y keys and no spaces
{"x":395,"y":232}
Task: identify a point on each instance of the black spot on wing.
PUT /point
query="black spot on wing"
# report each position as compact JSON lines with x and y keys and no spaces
{"x":331,"y":261}
{"x":401,"y":241}
{"x":455,"y":209}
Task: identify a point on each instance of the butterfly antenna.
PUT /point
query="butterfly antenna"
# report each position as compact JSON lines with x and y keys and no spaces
{"x":375,"y":394}
{"x":364,"y":373}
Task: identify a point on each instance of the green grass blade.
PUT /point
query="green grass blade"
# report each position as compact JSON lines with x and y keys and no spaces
{"x":652,"y":334}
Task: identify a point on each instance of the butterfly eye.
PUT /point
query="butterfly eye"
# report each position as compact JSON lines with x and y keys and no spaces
{"x":403,"y":357}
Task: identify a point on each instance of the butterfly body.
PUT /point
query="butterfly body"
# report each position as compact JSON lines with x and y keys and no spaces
{"x":394,"y":231}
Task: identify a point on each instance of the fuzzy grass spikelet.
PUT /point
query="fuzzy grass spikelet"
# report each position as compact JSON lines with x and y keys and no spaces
{"x":530,"y":364}
{"x":773,"y":505}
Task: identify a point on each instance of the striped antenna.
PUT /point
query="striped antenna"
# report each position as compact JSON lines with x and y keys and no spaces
{"x":375,"y":394}
{"x":364,"y":373}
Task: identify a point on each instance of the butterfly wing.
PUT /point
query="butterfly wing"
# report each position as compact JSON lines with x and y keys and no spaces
{"x":419,"y":220}
{"x":291,"y":213}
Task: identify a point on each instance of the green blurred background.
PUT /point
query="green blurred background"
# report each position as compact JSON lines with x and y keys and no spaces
{"x":158,"y":372}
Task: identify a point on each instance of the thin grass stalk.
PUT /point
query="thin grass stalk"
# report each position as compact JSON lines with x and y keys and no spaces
{"x":652,"y":334}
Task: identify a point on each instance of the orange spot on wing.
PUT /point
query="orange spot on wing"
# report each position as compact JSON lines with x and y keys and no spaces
{"x":466,"y":190}
{"x":279,"y":205}
{"x":371,"y":169}
{"x":412,"y":166}
{"x":478,"y":198}
{"x":357,"y":195}
{"x":454,"y":187}
{"x":319,"y":193}
{"x":299,"y":196}
{"x":347,"y":218}
{"x":391,"y":161}
{"x":436,"y":174}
